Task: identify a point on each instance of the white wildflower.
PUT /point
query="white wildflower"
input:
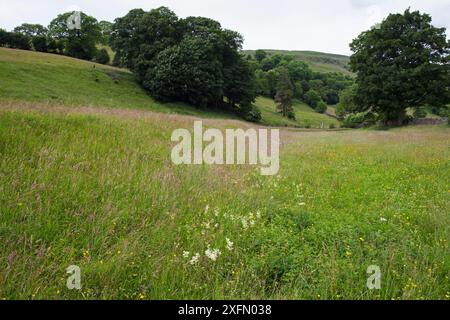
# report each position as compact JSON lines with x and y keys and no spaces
{"x":383,"y":219}
{"x":302,"y":204}
{"x":251,"y":219}
{"x":230,"y":244}
{"x":195,"y":259}
{"x":213,"y":254}
{"x":186,"y":254}
{"x":206,"y":209}
{"x":244,"y":223}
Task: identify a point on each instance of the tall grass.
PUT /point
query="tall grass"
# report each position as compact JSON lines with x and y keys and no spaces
{"x":98,"y":190}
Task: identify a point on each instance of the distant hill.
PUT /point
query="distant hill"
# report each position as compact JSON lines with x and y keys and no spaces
{"x":318,"y":61}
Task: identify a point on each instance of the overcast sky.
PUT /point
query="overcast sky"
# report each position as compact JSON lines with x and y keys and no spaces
{"x":319,"y":25}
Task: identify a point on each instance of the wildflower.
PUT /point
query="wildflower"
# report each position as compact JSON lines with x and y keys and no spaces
{"x":258,"y":214}
{"x":186,"y":254}
{"x":230,"y":244}
{"x":251,"y":219}
{"x":195,"y":259}
{"x":244,"y":223}
{"x":206,"y":209}
{"x":213,"y":254}
{"x":383,"y":219}
{"x":302,"y":204}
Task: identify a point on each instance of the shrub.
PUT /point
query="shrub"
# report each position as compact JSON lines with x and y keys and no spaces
{"x":321,"y":107}
{"x":312,"y":98}
{"x":4,"y":38}
{"x":20,"y":41}
{"x":14,"y":40}
{"x":348,"y":102}
{"x":102,"y":56}
{"x":52,"y":46}
{"x":40,"y":43}
{"x":358,"y":120}
{"x":249,"y":113}
{"x":420,"y":113}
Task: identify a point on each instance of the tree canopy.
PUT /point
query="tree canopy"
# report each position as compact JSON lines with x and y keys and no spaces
{"x":31,"y":30}
{"x":193,"y":59}
{"x":403,"y":62}
{"x":79,"y":43}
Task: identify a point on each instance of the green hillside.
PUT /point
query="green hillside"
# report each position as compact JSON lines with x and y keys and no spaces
{"x":40,"y":77}
{"x":318,"y":61}
{"x":305,"y":116}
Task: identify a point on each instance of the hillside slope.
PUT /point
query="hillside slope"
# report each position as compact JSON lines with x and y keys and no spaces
{"x":318,"y":61}
{"x":40,"y":77}
{"x":306,"y":117}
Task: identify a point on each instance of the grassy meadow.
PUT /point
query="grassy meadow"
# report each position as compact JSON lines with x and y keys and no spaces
{"x":96,"y":188}
{"x":87,"y":179}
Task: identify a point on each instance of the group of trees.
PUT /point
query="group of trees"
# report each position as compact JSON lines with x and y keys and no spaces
{"x":60,"y":38}
{"x":296,"y":80}
{"x":402,"y":63}
{"x":14,"y":40}
{"x":193,"y":60}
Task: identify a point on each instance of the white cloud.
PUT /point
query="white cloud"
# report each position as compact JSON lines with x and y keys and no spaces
{"x":321,"y":25}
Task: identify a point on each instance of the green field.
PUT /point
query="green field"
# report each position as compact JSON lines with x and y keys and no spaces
{"x":87,"y":179}
{"x":317,"y":61}
{"x":98,"y":190}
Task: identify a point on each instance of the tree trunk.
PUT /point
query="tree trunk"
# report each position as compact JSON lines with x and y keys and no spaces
{"x":401,"y":117}
{"x":396,"y":119}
